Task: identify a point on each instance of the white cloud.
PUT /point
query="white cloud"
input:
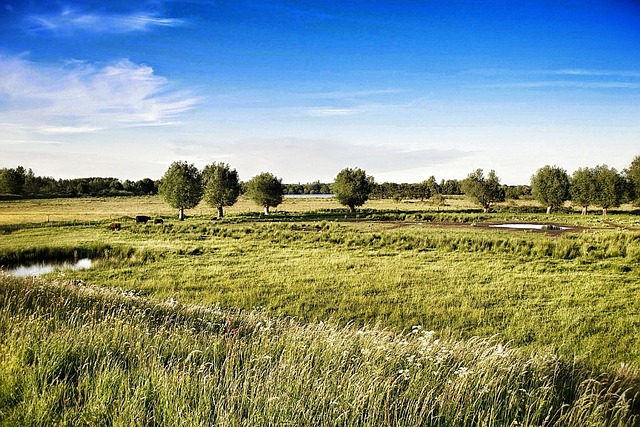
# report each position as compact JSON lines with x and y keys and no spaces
{"x":70,"y":20}
{"x":566,"y":84}
{"x":300,"y":159}
{"x":587,"y":72}
{"x":330,"y":112}
{"x":80,"y":97}
{"x":574,"y":78}
{"x":354,"y":94}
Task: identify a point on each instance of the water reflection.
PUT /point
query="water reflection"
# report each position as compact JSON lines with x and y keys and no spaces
{"x":44,"y":267}
{"x":531,"y":226}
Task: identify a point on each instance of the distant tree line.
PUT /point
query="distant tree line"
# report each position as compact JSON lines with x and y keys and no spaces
{"x":183,"y":186}
{"x":22,"y":182}
{"x":315,"y":187}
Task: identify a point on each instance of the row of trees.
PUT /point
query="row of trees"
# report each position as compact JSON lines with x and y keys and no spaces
{"x":183,"y":186}
{"x":602,"y":186}
{"x":315,"y":187}
{"x":552,"y":186}
{"x":23,"y":182}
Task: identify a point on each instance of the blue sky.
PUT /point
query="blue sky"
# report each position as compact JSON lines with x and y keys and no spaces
{"x":303,"y":89}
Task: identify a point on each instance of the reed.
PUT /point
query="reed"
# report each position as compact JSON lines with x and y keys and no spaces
{"x":75,"y":354}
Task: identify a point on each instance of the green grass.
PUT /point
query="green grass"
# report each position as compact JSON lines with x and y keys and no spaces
{"x":575,"y":292}
{"x":566,"y":303}
{"x":77,"y":355}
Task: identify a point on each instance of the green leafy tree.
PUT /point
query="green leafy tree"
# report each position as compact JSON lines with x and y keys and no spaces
{"x":181,"y":187}
{"x":550,"y":186}
{"x":12,"y":180}
{"x":609,"y":187}
{"x":265,"y":190}
{"x":221,"y":186}
{"x":428,"y":188}
{"x":633,"y":177}
{"x":146,"y":186}
{"x":484,"y":191}
{"x":352,"y":187}
{"x":450,"y":187}
{"x":583,"y":188}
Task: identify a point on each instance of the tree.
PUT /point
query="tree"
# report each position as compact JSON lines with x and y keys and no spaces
{"x":550,"y":186}
{"x":12,"y":180}
{"x":583,"y":188}
{"x":352,"y":187}
{"x":221,"y":186}
{"x":483,"y":190}
{"x":265,"y":190}
{"x":433,"y":186}
{"x":181,"y":187}
{"x":450,"y":187}
{"x":428,"y":188}
{"x":633,"y":177}
{"x":146,"y":186}
{"x":609,"y":187}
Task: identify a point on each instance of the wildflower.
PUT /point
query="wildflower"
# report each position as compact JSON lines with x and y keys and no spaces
{"x":404,"y":374}
{"x":462,"y":371}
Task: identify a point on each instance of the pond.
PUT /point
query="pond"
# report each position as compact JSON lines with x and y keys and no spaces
{"x":44,"y":267}
{"x":309,"y":196}
{"x":531,"y":226}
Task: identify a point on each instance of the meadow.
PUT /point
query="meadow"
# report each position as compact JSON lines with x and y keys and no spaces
{"x":395,"y":286}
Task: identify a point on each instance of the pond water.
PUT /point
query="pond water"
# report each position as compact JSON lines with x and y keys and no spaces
{"x":44,"y":267}
{"x":531,"y":226}
{"x":309,"y":196}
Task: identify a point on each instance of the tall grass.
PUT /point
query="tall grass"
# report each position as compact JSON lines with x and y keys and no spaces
{"x":408,"y":236}
{"x":77,"y":355}
{"x":574,"y":292}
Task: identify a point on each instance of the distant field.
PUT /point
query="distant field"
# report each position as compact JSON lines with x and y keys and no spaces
{"x":97,"y":208}
{"x":107,"y":208}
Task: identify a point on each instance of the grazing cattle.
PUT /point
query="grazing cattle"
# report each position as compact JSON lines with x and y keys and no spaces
{"x":158,"y":221}
{"x":114,"y":226}
{"x":142,"y":219}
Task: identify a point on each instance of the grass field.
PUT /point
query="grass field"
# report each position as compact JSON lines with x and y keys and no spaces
{"x":571,"y":299}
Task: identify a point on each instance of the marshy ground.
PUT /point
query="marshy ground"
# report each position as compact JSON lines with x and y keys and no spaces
{"x":564,"y":304}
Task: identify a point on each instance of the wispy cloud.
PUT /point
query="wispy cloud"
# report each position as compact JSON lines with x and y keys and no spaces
{"x":570,"y":78}
{"x":68,"y":21}
{"x":587,"y":72}
{"x":310,"y":159}
{"x":559,"y":84}
{"x":331,"y":112}
{"x":512,"y":72}
{"x":80,"y":97}
{"x":272,"y":104}
{"x":354,"y":94}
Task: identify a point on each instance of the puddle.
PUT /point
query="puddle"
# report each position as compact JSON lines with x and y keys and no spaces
{"x":549,"y":227}
{"x":38,"y":268}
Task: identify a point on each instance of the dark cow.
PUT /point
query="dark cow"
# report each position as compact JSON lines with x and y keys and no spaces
{"x":158,"y":221}
{"x":114,"y":226}
{"x":142,"y":219}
